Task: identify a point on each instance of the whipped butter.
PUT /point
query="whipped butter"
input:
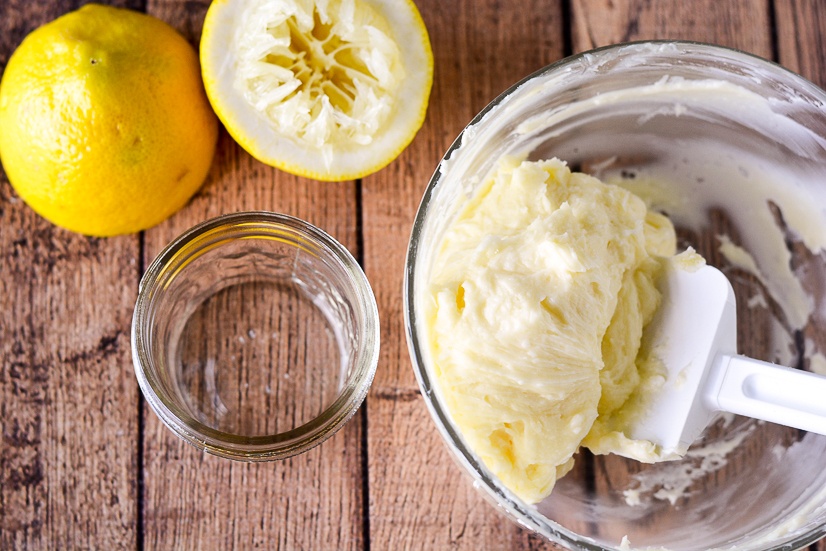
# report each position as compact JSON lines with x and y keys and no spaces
{"x":539,"y":294}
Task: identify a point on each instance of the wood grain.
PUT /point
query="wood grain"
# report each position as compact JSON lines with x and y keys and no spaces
{"x":67,"y":392}
{"x":801,"y":37}
{"x":746,"y":25}
{"x":418,"y":497}
{"x":84,"y":464}
{"x":196,"y":501}
{"x":742,"y":24}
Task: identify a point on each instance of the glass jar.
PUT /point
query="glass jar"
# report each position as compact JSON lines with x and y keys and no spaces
{"x":733,"y":149}
{"x":255,"y":336}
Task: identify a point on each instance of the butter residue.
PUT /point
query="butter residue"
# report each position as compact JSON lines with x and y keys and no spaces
{"x":672,"y":481}
{"x":689,"y":260}
{"x":817,"y":361}
{"x":625,"y":545}
{"x":752,"y":193}
{"x":539,"y":294}
{"x":800,"y":303}
{"x":757,"y":300}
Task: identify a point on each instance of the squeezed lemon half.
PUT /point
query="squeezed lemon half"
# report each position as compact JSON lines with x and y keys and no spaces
{"x":332,"y":90}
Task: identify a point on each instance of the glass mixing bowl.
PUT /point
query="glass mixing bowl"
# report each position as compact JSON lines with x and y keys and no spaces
{"x":733,"y":149}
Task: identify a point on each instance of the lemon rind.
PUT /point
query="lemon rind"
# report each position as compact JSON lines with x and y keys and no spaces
{"x":257,"y":136}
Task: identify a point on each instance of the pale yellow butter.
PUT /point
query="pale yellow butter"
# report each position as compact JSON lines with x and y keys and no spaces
{"x":538,"y":298}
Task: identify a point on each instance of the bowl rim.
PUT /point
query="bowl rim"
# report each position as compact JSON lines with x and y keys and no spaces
{"x":484,"y":479}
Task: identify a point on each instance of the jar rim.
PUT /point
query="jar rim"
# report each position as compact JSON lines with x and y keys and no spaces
{"x":261,"y":447}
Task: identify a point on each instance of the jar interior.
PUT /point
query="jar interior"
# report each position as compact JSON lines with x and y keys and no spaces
{"x":255,"y":332}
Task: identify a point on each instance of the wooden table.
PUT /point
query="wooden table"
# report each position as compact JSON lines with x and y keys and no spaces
{"x":84,"y":464}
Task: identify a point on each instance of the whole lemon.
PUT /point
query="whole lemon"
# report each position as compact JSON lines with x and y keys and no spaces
{"x":105,"y":128}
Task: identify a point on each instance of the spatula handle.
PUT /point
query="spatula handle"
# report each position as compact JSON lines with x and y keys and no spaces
{"x":762,"y":390}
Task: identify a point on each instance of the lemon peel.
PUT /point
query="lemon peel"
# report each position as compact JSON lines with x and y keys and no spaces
{"x":331,"y":89}
{"x":104,"y":125}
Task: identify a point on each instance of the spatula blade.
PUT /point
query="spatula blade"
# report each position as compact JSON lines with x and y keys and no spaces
{"x":696,"y":321}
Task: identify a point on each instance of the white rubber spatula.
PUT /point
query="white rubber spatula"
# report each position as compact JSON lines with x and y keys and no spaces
{"x":696,"y":328}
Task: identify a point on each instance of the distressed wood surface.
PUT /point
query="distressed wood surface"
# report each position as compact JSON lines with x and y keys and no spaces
{"x":68,"y":396}
{"x":312,"y":501}
{"x":84,"y":464}
{"x":742,"y":24}
{"x":419,"y":498}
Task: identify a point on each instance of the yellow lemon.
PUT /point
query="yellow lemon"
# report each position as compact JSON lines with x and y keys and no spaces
{"x":104,"y":125}
{"x":329,"y":89}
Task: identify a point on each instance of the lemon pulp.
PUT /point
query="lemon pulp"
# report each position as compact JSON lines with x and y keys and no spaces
{"x":317,"y":88}
{"x":321,"y":76}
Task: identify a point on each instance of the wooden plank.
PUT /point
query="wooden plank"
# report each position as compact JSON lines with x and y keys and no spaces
{"x":196,"y":501}
{"x":742,"y":24}
{"x":801,"y":37}
{"x":68,"y":397}
{"x":67,"y":390}
{"x":418,"y":497}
